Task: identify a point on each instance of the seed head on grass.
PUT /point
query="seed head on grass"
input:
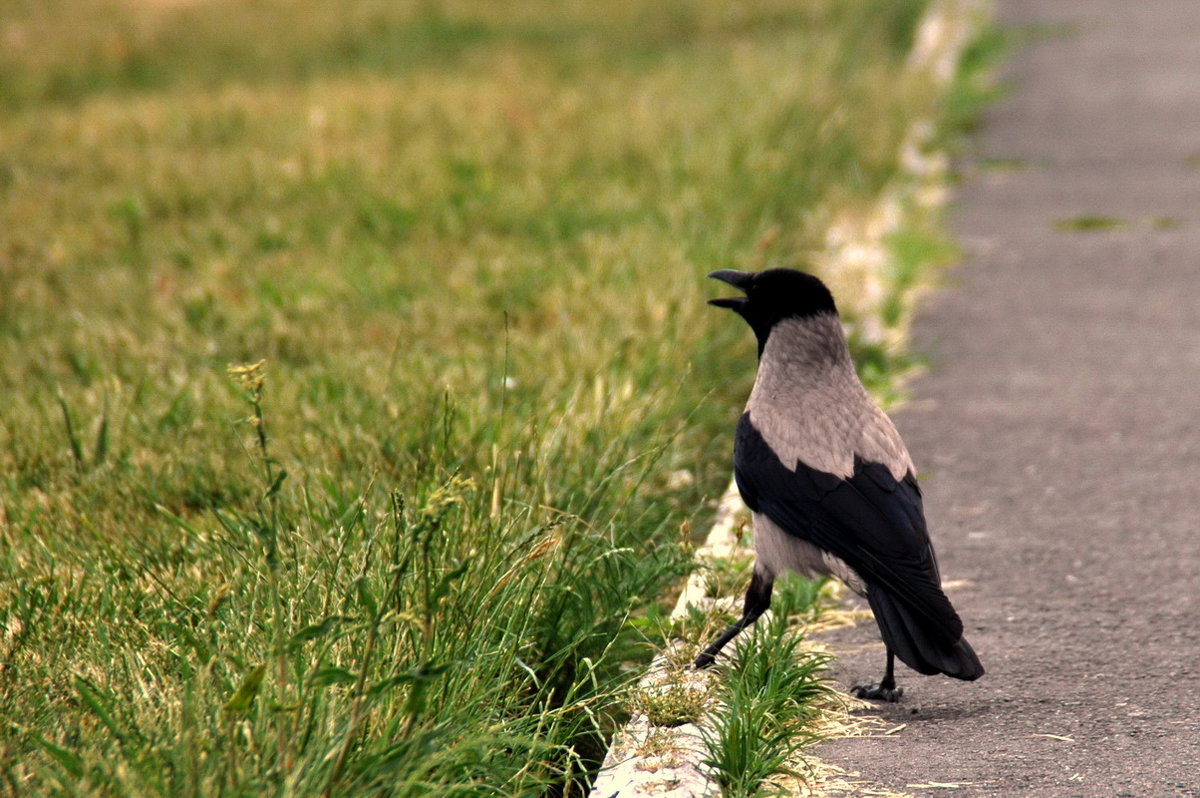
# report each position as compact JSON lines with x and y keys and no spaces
{"x":547,"y":546}
{"x":250,"y":376}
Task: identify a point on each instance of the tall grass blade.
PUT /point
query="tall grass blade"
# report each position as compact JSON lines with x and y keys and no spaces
{"x":69,"y":760}
{"x":72,"y":437}
{"x":100,"y":451}
{"x":91,"y":698}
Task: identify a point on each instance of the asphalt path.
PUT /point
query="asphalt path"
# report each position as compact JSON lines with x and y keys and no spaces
{"x":1058,"y":428}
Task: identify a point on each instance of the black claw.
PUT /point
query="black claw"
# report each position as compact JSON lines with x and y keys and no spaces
{"x":885,"y":689}
{"x":877,"y":692}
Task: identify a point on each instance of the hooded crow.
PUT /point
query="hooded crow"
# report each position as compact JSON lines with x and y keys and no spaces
{"x":829,"y":483}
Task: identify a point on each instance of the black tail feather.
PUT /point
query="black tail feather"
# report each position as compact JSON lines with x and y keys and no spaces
{"x":919,"y":642}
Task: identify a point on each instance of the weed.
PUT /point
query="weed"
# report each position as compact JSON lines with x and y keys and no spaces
{"x":658,"y":743}
{"x":1088,"y":223}
{"x":1003,"y":164}
{"x":1166,"y":223}
{"x":673,"y":703}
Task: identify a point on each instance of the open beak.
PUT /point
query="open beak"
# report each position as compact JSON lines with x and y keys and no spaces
{"x":740,"y":280}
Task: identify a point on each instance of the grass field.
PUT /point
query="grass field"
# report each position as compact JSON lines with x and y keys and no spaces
{"x":413,"y":553}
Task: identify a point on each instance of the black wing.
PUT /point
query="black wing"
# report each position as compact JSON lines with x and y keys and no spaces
{"x":871,"y":521}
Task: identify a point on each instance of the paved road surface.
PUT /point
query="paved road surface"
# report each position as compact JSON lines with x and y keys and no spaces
{"x":1059,"y":430}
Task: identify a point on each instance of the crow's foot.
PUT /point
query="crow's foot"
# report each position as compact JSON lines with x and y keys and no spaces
{"x":877,"y":692}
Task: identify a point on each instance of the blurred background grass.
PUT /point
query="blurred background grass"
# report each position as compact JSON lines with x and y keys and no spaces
{"x":469,"y":239}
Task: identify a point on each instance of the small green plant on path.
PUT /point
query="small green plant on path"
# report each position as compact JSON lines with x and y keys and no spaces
{"x":1089,"y":223}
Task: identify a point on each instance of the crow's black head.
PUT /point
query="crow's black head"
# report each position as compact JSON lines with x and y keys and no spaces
{"x":772,"y":296}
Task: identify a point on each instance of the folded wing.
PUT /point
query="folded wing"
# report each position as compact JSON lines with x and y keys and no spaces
{"x":876,"y":525}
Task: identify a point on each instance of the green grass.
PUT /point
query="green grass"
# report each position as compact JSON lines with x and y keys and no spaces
{"x":469,"y":241}
{"x":768,"y":697}
{"x":975,"y":85}
{"x":726,"y":576}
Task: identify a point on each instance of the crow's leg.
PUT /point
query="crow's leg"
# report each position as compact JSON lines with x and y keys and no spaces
{"x":886,"y":690}
{"x":758,"y":599}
